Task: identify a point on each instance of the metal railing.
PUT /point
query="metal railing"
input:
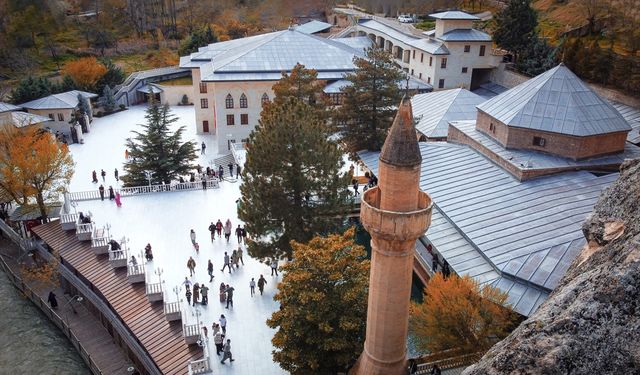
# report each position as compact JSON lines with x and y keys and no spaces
{"x":84,"y":228}
{"x":135,"y":270}
{"x":190,"y":330}
{"x":68,"y":218}
{"x":99,"y":242}
{"x":121,"y":254}
{"x":200,"y":366}
{"x":171,"y":308}
{"x":25,"y":244}
{"x":448,"y":363}
{"x":154,"y":288}
{"x":148,"y":189}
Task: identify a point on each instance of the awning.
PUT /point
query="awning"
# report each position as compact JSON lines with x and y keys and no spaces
{"x":150,"y":89}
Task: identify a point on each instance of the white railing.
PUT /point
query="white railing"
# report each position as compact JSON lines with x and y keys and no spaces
{"x":148,"y":189}
{"x":190,"y":330}
{"x":68,"y":218}
{"x":99,"y":242}
{"x":84,"y":228}
{"x":154,"y":288}
{"x":135,"y":270}
{"x":200,"y":366}
{"x":121,"y":254}
{"x":171,"y":308}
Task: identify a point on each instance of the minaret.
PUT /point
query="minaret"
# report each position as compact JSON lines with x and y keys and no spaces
{"x":395,"y":213}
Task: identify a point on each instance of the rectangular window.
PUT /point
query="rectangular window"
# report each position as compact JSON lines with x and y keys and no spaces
{"x":203,"y":88}
{"x":414,"y":54}
{"x":464,"y":69}
{"x":443,"y":63}
{"x":60,"y":117}
{"x":539,"y":141}
{"x":430,"y":60}
{"x":482,"y":50}
{"x":244,"y":119}
{"x":51,"y":116}
{"x":205,"y":126}
{"x":231,"y":120}
{"x":420,"y":75}
{"x":336,"y":99}
{"x":492,"y":128}
{"x":467,"y":48}
{"x":204,"y":103}
{"x":441,"y":84}
{"x":429,"y":80}
{"x":421,"y":56}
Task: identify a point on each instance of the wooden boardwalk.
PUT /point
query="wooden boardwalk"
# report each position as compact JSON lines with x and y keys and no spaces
{"x":83,"y":329}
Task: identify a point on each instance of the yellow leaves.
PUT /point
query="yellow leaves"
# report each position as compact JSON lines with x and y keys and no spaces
{"x":85,"y":72}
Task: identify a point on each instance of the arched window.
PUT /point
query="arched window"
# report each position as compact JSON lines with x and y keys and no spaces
{"x":243,"y":101}
{"x":229,"y":101}
{"x":265,"y":98}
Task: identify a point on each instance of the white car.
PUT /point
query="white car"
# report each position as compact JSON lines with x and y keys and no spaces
{"x":404,"y":18}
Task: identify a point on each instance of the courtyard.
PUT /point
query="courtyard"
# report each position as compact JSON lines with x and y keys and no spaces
{"x":164,"y":220}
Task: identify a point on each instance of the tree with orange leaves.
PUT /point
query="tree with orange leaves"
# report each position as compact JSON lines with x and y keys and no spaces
{"x":34,"y":167}
{"x":85,"y":72}
{"x":458,"y":313}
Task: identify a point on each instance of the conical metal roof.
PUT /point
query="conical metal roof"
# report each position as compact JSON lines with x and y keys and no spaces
{"x":401,"y":146}
{"x":556,"y":101}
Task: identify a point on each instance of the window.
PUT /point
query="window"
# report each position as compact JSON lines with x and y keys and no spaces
{"x":231,"y":120}
{"x":430,"y":60}
{"x":60,"y":117}
{"x":467,"y":48}
{"x":265,"y":98}
{"x":539,"y":141}
{"x":429,"y":80}
{"x":441,"y":84}
{"x":420,"y":75}
{"x":203,"y":88}
{"x":204,"y":103}
{"x":421,"y":56}
{"x":443,"y":63}
{"x":482,"y":50}
{"x":492,"y":128}
{"x":205,"y":126}
{"x":244,"y":119}
{"x":228,"y":101}
{"x":336,"y":98}
{"x":414,"y":54}
{"x":464,"y":69}
{"x":243,"y":101}
{"x":51,"y":116}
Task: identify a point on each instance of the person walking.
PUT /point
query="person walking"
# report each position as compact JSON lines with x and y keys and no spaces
{"x":215,"y":328}
{"x":103,"y":174}
{"x":261,"y":283}
{"x":94,"y":177}
{"x":203,"y":149}
{"x":192,"y":235}
{"x":234,"y":259}
{"x":126,"y":154}
{"x":53,"y":302}
{"x":239,"y":255}
{"x":101,"y":191}
{"x":223,"y":324}
{"x":148,"y":254}
{"x":229,"y":290}
{"x":191,"y":265}
{"x":226,"y":352}
{"x":219,"y":228}
{"x":196,"y":293}
{"x":355,"y":188}
{"x":205,"y":332}
{"x":230,"y":165}
{"x":212,"y":229}
{"x":112,"y":196}
{"x":118,"y":201}
{"x":252,"y":286}
{"x":239,"y":234}
{"x":223,"y":294}
{"x":218,"y":339}
{"x":204,"y":292}
{"x":116,"y":174}
{"x":226,"y":262}
{"x":221,"y":173}
{"x":274,"y":266}
{"x":210,"y":270}
{"x":186,"y":282}
{"x":244,"y":235}
{"x":238,"y":170}
{"x":227,"y":229}
{"x":187,"y":294}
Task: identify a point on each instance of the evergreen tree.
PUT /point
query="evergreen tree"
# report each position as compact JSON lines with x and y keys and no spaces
{"x":323,"y":306}
{"x":539,"y":57}
{"x":515,"y":26}
{"x":108,"y":100}
{"x":292,"y":186}
{"x":32,"y":88}
{"x":197,"y":38}
{"x":370,"y":101}
{"x":603,"y":66}
{"x":301,"y":84}
{"x":158,"y":149}
{"x":113,"y":77}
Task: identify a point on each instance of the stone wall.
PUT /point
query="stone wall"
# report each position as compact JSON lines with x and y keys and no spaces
{"x":172,"y":95}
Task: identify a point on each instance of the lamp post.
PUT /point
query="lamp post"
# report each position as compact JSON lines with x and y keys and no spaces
{"x":159,"y":272}
{"x":75,"y":298}
{"x":176,"y":290}
{"x":74,"y":204}
{"x":148,"y":175}
{"x":108,"y":227}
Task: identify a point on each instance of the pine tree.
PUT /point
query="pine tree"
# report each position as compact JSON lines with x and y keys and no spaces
{"x":301,"y":84}
{"x":323,"y":306}
{"x":370,"y":101}
{"x":158,"y":149}
{"x":539,"y":57}
{"x":31,"y":88}
{"x":292,"y":186}
{"x":515,"y":26}
{"x":108,"y":100}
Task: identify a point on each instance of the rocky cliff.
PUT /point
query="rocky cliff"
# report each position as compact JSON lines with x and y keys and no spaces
{"x":591,"y":323}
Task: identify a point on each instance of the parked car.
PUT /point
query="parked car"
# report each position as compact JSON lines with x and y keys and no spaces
{"x":405,"y":18}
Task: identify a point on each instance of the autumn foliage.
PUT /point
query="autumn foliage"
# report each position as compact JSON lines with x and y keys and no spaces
{"x":323,"y":306}
{"x":457,"y":313}
{"x":34,"y":167}
{"x":85,"y":72}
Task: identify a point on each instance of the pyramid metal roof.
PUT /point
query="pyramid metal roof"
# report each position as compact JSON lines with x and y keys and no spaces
{"x":454,"y":15}
{"x":65,"y":100}
{"x":556,"y":101}
{"x":6,"y":107}
{"x":313,"y":27}
{"x":435,"y":110}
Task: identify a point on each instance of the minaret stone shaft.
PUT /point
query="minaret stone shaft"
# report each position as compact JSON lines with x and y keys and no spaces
{"x":396,"y":213}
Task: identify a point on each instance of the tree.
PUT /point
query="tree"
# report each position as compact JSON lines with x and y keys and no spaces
{"x":303,"y":85}
{"x":158,"y":149}
{"x":370,"y":101}
{"x":292,"y":186}
{"x":33,"y":166}
{"x":515,"y":26}
{"x":85,"y":72}
{"x":537,"y":58}
{"x":112,"y":77}
{"x":458,"y":313}
{"x":108,"y":100}
{"x":32,"y":88}
{"x":197,"y":38}
{"x":323,"y":306}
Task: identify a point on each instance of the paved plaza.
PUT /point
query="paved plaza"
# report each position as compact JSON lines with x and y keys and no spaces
{"x":164,"y":220}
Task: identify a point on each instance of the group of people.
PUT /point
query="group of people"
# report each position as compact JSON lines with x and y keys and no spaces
{"x":113,"y":195}
{"x":103,"y":174}
{"x":219,"y":334}
{"x":218,"y":228}
{"x":200,"y":292}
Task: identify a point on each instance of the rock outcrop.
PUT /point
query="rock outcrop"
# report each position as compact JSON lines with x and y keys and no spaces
{"x":591,"y":323}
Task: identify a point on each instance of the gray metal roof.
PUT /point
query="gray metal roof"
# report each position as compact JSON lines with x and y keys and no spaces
{"x":387,"y":30}
{"x":632,"y":115}
{"x":431,"y":46}
{"x":336,"y":87}
{"x":313,"y":27}
{"x":434,"y":110}
{"x":65,"y":100}
{"x":532,"y":160}
{"x":149,"y":89}
{"x":6,"y":107}
{"x":21,"y":119}
{"x":556,"y":101}
{"x":489,"y":90}
{"x":528,"y":232}
{"x":358,"y":42}
{"x":465,"y":35}
{"x":414,"y":84}
{"x":454,"y":15}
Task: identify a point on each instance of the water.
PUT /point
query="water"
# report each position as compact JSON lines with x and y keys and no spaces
{"x":29,"y":342}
